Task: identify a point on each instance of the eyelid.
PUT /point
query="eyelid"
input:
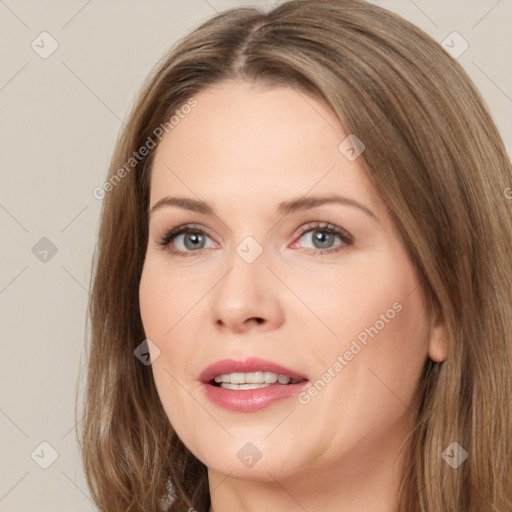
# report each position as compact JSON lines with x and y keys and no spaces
{"x":327,"y":226}
{"x":182,"y":228}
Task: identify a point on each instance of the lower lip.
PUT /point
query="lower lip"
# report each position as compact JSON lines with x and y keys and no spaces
{"x":251,"y":400}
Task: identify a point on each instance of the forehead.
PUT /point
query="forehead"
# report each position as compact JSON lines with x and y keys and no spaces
{"x":239,"y":121}
{"x":244,"y":143}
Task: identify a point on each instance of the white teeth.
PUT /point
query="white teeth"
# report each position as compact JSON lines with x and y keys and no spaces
{"x":270,"y":377}
{"x":227,"y":385}
{"x":258,"y":377}
{"x":237,"y":378}
{"x":254,"y":377}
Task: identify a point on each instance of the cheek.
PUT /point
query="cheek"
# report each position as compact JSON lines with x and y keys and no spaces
{"x":151,"y":300}
{"x":170,"y":303}
{"x":163,"y":300}
{"x":379,"y":316}
{"x":368,"y":297}
{"x":162,"y":305}
{"x":401,"y":352}
{"x":390,"y":325}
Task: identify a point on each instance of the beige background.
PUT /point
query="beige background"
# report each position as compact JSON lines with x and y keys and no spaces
{"x":60,"y":117}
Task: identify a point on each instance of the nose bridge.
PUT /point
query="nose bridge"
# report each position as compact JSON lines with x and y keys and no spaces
{"x":245,"y":292}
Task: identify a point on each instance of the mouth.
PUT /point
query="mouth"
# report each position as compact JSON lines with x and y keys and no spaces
{"x":251,"y":384}
{"x":252,"y":380}
{"x":253,"y":371}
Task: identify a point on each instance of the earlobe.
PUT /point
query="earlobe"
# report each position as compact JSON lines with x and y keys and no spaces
{"x":438,"y":342}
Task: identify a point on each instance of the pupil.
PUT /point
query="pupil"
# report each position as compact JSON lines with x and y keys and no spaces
{"x":323,"y":238}
{"x":193,"y":237}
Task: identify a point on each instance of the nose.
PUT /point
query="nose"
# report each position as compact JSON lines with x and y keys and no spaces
{"x":247,"y":298}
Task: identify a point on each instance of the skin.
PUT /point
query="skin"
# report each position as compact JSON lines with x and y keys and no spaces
{"x":244,"y":149}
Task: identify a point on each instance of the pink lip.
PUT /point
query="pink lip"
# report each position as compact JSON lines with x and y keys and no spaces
{"x":249,"y":400}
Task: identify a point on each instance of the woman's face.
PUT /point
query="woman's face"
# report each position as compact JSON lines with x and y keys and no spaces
{"x":324,"y":289}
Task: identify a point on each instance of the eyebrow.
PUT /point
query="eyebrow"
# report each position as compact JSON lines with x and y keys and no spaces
{"x":284,"y":208}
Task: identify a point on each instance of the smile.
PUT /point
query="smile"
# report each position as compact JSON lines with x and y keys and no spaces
{"x":249,"y":385}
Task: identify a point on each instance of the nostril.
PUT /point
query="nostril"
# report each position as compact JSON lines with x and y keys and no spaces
{"x":247,"y":321}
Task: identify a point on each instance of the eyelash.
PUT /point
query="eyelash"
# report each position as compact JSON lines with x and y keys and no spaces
{"x":326,"y":227}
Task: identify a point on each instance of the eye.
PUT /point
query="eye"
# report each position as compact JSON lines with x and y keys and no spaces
{"x":323,"y":237}
{"x":190,"y":240}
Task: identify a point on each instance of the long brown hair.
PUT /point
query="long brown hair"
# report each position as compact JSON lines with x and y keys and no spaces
{"x":438,"y":162}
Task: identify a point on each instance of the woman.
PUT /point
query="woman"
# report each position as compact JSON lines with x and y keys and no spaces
{"x":302,"y":296}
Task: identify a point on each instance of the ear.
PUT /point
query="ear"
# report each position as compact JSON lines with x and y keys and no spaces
{"x":438,"y":341}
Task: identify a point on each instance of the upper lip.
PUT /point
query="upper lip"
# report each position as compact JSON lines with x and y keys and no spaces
{"x":252,"y":364}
